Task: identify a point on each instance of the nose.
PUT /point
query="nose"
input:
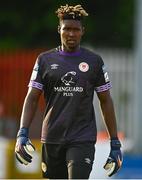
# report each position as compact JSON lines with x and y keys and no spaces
{"x":71,"y":33}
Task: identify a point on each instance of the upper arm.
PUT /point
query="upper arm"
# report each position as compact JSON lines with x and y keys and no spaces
{"x":102,"y":82}
{"x":36,"y":76}
{"x":35,"y":85}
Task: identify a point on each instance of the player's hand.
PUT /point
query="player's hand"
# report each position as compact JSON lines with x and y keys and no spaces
{"x":114,"y":161}
{"x":24,"y":147}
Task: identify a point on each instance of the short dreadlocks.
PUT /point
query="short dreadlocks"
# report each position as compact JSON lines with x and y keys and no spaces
{"x":71,"y":12}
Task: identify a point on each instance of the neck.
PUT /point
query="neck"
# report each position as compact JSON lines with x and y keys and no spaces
{"x":70,"y":50}
{"x":65,"y":52}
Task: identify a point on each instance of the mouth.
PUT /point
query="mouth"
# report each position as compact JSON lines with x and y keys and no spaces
{"x":71,"y":41}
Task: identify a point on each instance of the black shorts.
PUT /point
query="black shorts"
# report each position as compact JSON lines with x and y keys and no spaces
{"x":72,"y":161}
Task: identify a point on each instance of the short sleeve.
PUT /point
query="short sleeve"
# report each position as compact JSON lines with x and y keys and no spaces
{"x":36,"y":79}
{"x":102,"y":81}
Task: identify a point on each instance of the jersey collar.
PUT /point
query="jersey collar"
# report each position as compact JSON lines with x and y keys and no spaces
{"x":64,"y":53}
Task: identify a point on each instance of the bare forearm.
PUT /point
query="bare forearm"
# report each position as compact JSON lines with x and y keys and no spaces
{"x":28,"y":112}
{"x":109,"y":117}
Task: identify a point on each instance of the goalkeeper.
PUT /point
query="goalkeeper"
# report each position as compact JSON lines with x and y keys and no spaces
{"x":68,"y":76}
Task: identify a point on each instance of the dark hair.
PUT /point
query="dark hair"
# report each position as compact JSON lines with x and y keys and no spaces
{"x":71,"y":12}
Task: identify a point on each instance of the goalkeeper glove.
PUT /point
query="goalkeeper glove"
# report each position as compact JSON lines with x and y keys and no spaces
{"x":24,"y":147}
{"x":114,"y":161}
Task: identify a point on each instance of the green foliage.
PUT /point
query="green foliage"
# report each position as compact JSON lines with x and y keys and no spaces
{"x":33,"y":24}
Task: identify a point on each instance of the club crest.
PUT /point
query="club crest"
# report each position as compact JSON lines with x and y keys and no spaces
{"x":83,"y":66}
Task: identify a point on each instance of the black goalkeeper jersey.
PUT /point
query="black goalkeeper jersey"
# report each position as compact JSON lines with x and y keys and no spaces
{"x":68,"y":81}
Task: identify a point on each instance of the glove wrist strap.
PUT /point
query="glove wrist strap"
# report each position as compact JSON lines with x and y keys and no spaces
{"x":115,"y":144}
{"x":23,"y":132}
{"x":114,"y":138}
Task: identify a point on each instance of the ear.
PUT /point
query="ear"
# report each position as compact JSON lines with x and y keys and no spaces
{"x":59,"y":27}
{"x":83,"y":30}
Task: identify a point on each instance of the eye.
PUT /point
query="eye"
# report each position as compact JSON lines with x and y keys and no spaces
{"x":66,"y":29}
{"x":77,"y":29}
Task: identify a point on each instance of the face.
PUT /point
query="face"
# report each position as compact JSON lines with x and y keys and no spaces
{"x":71,"y":32}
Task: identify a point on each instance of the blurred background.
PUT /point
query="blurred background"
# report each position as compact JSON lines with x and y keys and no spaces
{"x":114,"y":30}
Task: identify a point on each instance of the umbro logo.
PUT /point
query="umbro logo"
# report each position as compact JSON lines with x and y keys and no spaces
{"x":54,"y":66}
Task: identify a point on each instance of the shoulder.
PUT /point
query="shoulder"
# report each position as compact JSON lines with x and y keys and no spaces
{"x":46,"y":55}
{"x":92,"y":55}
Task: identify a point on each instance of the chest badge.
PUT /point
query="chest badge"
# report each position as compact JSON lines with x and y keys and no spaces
{"x":83,"y":66}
